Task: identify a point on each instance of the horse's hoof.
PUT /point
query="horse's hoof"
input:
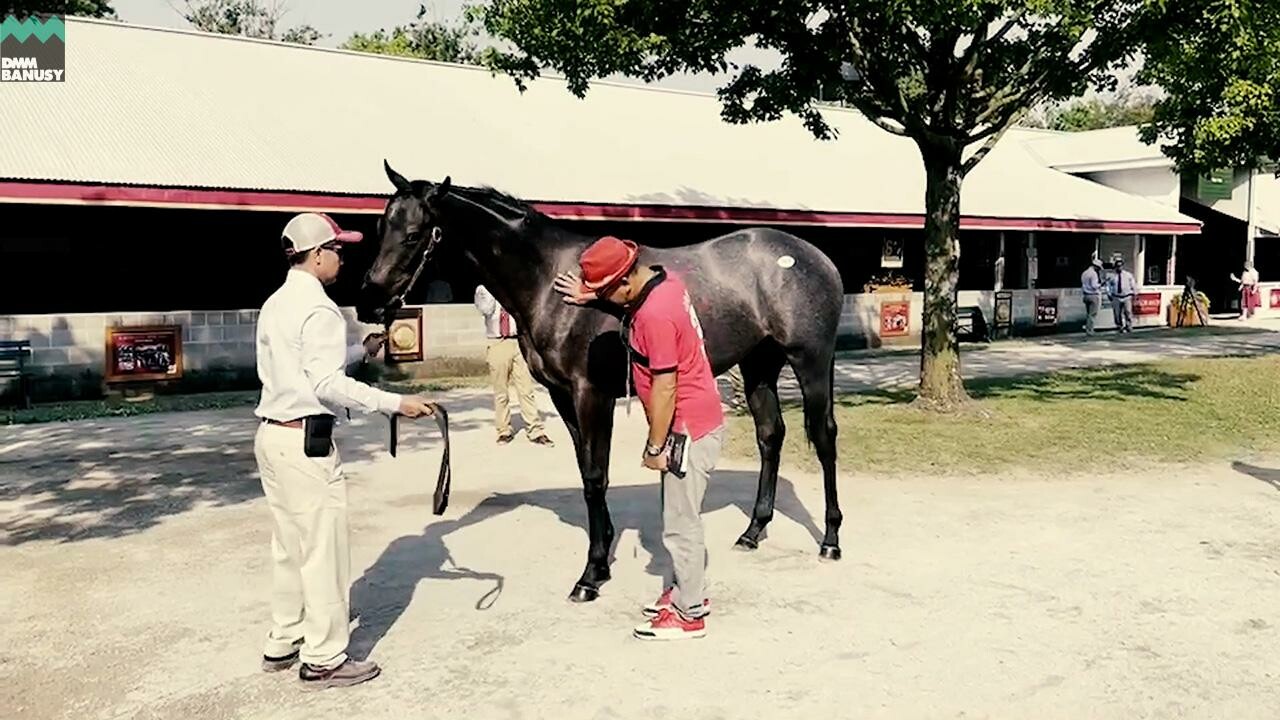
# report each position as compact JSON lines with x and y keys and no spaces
{"x":829,"y":552}
{"x":746,"y":544}
{"x":583,"y":593}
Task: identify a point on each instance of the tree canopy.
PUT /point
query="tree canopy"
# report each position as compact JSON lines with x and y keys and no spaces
{"x":250,"y":18}
{"x":423,"y":38}
{"x":1219,"y":62}
{"x":1096,"y":114}
{"x":952,"y":75}
{"x":81,"y":8}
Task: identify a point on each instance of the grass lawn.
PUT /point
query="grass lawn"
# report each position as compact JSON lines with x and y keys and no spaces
{"x":1089,"y":419}
{"x":117,"y":407}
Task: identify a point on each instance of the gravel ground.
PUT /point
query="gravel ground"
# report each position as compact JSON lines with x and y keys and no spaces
{"x":136,"y":586}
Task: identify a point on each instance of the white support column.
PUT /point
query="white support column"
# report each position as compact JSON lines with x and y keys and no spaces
{"x":999,"y":268}
{"x":1171,"y":263}
{"x":1252,"y":224}
{"x":1140,"y":259}
{"x":1033,"y":265}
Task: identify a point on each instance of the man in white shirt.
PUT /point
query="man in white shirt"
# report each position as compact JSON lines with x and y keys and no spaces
{"x":1121,"y":286}
{"x":302,"y":363}
{"x":507,"y":366}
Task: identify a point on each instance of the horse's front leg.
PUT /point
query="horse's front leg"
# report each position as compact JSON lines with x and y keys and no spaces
{"x":592,"y":431}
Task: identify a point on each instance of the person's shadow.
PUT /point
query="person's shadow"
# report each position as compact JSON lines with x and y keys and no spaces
{"x":383,"y":593}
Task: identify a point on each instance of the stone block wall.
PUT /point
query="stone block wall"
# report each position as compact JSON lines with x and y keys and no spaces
{"x":68,"y":351}
{"x":218,"y":347}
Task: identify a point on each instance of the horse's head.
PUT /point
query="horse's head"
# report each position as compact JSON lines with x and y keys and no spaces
{"x":408,"y":232}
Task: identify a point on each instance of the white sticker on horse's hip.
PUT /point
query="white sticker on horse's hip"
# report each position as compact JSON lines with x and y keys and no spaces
{"x":786,"y":261}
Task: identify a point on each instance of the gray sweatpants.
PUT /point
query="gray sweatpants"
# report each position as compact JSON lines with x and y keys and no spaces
{"x":682,"y":533}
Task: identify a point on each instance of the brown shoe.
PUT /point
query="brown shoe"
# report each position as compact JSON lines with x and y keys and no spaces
{"x":505,"y":438}
{"x":350,"y":672}
{"x":542,"y":440}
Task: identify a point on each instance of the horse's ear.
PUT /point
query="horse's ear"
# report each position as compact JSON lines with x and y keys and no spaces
{"x":439,"y":190}
{"x":396,"y":178}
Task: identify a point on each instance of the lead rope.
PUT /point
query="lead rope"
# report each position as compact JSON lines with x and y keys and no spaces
{"x":626,"y":380}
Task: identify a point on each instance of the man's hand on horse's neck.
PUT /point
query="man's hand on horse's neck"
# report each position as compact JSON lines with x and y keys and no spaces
{"x":662,"y":407}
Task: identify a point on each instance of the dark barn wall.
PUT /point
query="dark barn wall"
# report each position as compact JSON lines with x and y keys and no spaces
{"x":83,"y":259}
{"x":71,"y":259}
{"x":1213,"y":255}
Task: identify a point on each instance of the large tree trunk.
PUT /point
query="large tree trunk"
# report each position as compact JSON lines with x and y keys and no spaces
{"x":940,"y":385}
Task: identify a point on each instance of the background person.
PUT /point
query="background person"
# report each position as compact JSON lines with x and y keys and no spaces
{"x":507,"y":368}
{"x":1250,"y":298}
{"x":1121,"y":288}
{"x":1091,"y":291}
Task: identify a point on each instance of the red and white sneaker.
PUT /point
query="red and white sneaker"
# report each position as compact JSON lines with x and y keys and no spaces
{"x":671,"y":625}
{"x":664,"y":603}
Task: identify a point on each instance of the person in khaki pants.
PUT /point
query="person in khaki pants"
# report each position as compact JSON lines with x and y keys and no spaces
{"x":507,"y":368}
{"x":302,"y":359}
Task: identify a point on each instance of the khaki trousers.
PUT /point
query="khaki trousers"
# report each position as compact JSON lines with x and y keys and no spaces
{"x":311,"y":562}
{"x":507,"y":368}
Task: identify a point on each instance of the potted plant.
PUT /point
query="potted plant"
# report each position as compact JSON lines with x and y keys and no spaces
{"x":889,"y":282}
{"x":1181,"y":307}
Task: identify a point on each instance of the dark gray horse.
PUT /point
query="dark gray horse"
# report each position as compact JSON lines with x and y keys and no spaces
{"x":764,"y":297}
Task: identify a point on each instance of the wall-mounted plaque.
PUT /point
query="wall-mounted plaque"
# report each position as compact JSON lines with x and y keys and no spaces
{"x":404,"y":337}
{"x":142,"y":353}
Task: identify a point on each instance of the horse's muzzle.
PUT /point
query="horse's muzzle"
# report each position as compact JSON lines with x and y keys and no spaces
{"x":374,"y":307}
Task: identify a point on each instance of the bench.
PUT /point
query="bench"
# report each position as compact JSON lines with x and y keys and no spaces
{"x":13,"y":364}
{"x":971,"y":324}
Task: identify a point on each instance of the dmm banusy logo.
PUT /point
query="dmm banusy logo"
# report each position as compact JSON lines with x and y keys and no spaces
{"x":33,"y":49}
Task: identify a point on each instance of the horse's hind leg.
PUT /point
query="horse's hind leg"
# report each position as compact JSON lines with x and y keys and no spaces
{"x":760,"y":371}
{"x":815,"y":371}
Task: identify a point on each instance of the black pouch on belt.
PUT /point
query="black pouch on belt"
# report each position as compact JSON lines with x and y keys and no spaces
{"x":317,"y":435}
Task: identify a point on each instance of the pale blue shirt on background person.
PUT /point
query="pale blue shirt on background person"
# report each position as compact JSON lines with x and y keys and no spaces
{"x":1091,"y":290}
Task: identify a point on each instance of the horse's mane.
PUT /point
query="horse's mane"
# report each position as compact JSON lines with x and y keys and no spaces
{"x":506,"y":205}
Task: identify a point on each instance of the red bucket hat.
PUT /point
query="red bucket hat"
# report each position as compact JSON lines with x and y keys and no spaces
{"x":606,"y":261}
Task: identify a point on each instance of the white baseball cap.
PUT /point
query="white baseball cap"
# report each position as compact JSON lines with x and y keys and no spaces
{"x":311,"y":230}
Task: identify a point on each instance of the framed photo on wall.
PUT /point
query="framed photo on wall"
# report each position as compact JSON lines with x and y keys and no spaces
{"x":143,"y":353}
{"x":895,"y":318}
{"x":1046,"y":309}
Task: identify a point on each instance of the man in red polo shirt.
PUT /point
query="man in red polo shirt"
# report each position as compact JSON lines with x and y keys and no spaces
{"x":675,"y":384}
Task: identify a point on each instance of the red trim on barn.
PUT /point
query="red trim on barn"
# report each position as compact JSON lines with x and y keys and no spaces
{"x":139,"y":196}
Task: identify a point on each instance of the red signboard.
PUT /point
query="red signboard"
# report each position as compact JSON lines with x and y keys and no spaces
{"x":1275,"y":297}
{"x":1146,"y":304}
{"x":895,"y":318}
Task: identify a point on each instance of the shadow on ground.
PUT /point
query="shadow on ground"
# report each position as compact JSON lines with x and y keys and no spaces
{"x":1270,"y":476}
{"x":382,"y":594}
{"x":119,"y":476}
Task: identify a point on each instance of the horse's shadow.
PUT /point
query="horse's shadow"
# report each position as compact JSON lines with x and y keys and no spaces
{"x":382,"y":594}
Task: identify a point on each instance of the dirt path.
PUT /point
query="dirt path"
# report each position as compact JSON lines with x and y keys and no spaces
{"x":135,"y":587}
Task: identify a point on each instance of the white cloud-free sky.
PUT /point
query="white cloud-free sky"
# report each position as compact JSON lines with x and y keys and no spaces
{"x":338,"y":19}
